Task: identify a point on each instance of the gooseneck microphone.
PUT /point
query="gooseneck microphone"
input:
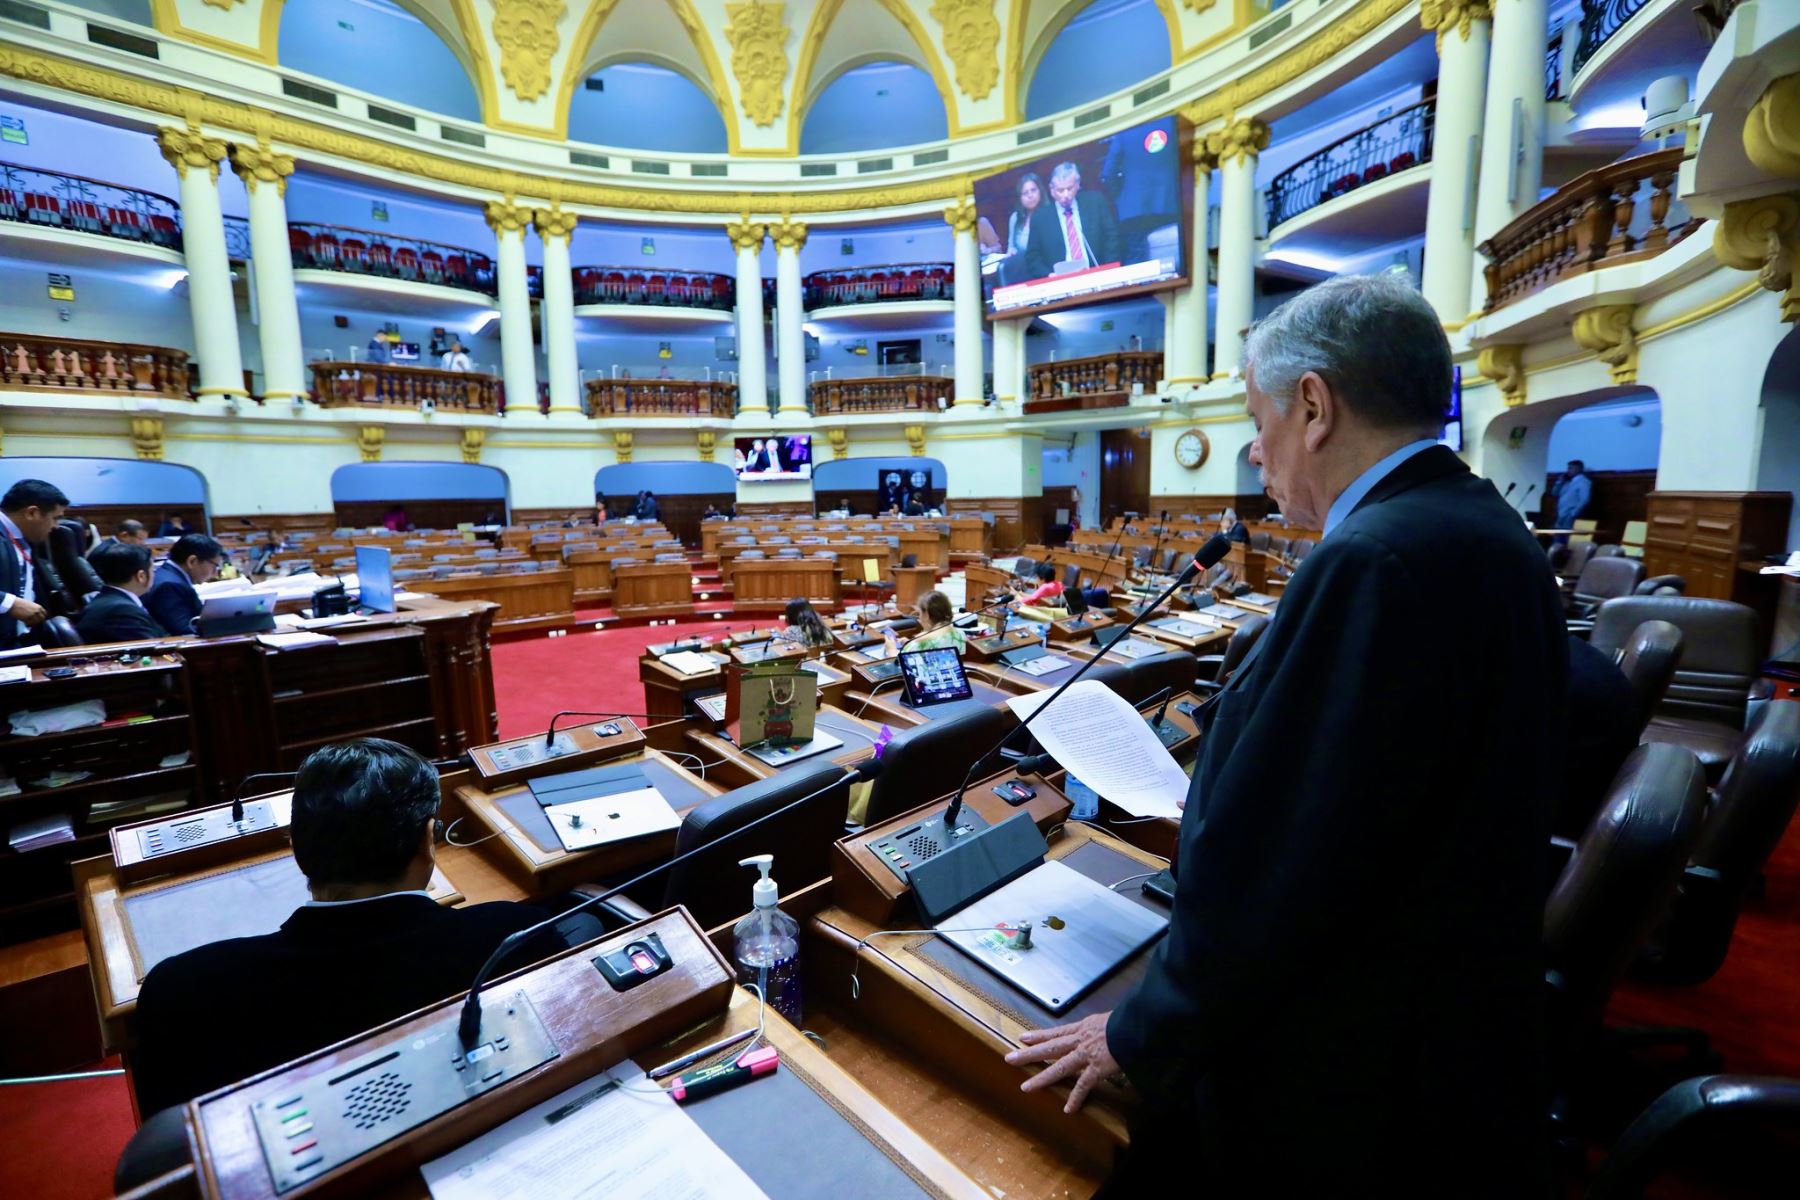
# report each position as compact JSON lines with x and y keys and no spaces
{"x":550,"y":733}
{"x":1530,"y":488}
{"x":1509,"y":489}
{"x":1216,"y":548}
{"x":469,"y":1025}
{"x":1162,"y":528}
{"x":237,"y":798}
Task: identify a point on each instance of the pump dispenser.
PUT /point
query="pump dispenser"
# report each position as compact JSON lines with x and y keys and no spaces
{"x":768,"y":944}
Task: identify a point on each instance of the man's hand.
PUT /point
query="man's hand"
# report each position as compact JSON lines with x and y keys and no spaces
{"x":27,"y":612}
{"x":1077,"y":1050}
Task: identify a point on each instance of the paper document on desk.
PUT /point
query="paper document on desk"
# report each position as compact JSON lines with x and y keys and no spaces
{"x":617,"y":1135}
{"x":688,"y":662}
{"x":586,"y":823}
{"x":1095,"y":734}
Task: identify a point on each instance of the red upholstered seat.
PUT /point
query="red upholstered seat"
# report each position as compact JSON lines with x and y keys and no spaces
{"x":1402,"y":160}
{"x":326,"y":251}
{"x":431,"y":266}
{"x":353,"y":254}
{"x":406,"y":262}
{"x":635,"y":288}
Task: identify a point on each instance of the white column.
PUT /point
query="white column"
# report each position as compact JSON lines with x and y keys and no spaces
{"x":1462,"y":41}
{"x":196,"y":160}
{"x":790,"y":315}
{"x":557,"y":229}
{"x":265,"y":175}
{"x":961,"y":217}
{"x":1184,"y":330}
{"x":1235,"y":149}
{"x":1009,"y":362}
{"x":1512,"y":138}
{"x":518,"y":360}
{"x":752,"y":369}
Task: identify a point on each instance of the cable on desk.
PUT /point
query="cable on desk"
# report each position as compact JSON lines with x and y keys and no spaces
{"x":1117,"y":884}
{"x":870,"y":698}
{"x":451,"y":828}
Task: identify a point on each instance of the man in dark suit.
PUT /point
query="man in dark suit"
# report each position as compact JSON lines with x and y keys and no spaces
{"x":1347,"y":1000}
{"x":28,"y":512}
{"x":172,"y":599}
{"x":371,"y":945}
{"x":1074,"y":231}
{"x":116,"y":613}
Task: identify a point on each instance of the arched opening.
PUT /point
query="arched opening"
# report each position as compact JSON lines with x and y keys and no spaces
{"x":683,"y":490}
{"x":866,"y":486}
{"x":434,"y":495}
{"x":1616,"y":433}
{"x":1778,"y":461}
{"x":379,"y":47}
{"x":105,"y":491}
{"x":643,"y":105}
{"x":873,"y":106}
{"x":1105,"y":46}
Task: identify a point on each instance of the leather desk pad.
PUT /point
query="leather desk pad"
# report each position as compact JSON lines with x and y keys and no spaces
{"x":520,"y":805}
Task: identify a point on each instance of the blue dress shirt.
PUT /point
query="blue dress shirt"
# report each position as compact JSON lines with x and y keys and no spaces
{"x":1363,"y":484}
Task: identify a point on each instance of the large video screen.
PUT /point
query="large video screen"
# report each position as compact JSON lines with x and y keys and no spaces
{"x":1104,"y":217}
{"x":769,"y":458}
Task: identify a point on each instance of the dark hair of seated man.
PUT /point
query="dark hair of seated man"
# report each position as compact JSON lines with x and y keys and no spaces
{"x":370,"y":946}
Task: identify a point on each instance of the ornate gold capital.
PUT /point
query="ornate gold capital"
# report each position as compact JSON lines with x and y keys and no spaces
{"x":915,"y":439}
{"x":1505,"y":365}
{"x":757,"y":31}
{"x":705,"y":442}
{"x":504,"y":216}
{"x":1772,"y":128}
{"x":472,"y":441}
{"x":840,"y":442}
{"x":1205,"y":160}
{"x":1607,"y":331}
{"x":261,"y":164}
{"x":746,"y":234}
{"x":1239,"y":141}
{"x":224,"y":4}
{"x":1199,"y":6}
{"x":972,"y":40}
{"x":369,"y":440}
{"x":184,"y":148}
{"x":1460,"y":15}
{"x":788,"y":234}
{"x":147,"y":438}
{"x":1763,"y":235}
{"x":525,"y":31}
{"x":622,"y":445}
{"x":961,"y":216}
{"x":554,"y":222}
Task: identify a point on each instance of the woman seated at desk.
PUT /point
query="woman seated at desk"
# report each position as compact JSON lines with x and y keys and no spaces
{"x":805,"y":627}
{"x":1038,"y":603}
{"x":935,"y":613}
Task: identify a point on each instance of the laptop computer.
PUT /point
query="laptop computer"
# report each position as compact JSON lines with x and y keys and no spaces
{"x":933,"y":676}
{"x":235,"y":613}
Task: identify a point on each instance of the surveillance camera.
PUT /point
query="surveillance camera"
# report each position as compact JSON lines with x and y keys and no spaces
{"x":427,"y":407}
{"x":1167,"y":397}
{"x":1666,"y":107}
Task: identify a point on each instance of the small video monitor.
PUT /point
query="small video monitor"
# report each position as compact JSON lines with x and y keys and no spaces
{"x":933,"y":676}
{"x":375,"y":578}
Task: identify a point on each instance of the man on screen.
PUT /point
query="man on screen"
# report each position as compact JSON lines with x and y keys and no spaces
{"x":1075,"y":231}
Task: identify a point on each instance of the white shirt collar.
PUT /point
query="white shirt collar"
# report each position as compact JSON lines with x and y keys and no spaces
{"x":363,"y":899}
{"x":135,"y":598}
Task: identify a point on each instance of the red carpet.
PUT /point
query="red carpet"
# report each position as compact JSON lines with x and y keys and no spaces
{"x":64,"y":1137}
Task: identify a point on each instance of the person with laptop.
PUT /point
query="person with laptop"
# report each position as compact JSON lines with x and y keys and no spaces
{"x":116,"y":613}
{"x":173,"y":599}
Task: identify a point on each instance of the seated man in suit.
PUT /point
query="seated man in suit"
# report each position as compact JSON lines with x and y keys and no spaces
{"x":370,"y":946}
{"x":116,"y":613}
{"x":1075,"y":231}
{"x":131,"y":532}
{"x":193,"y":559}
{"x":28,"y":512}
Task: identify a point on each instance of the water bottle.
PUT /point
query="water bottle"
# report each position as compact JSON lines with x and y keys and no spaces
{"x":768,"y":945}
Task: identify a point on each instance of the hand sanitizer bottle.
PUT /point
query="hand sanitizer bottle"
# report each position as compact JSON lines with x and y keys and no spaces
{"x":768,"y":945}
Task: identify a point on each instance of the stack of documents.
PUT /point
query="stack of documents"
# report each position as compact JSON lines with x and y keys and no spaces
{"x":40,"y":832}
{"x":1096,"y":734}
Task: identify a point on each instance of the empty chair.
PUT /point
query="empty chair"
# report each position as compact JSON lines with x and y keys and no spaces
{"x":1166,"y":564}
{"x":1072,"y":576}
{"x":1172,"y":670}
{"x":784,"y":552}
{"x":1221,"y":666}
{"x":712,"y":886}
{"x":1580,"y":554}
{"x":1609,"y":550}
{"x":1299,"y":548}
{"x":1660,"y":585}
{"x":1685,"y":1130}
{"x":928,"y":761}
{"x":1721,"y":650}
{"x":1648,"y":662}
{"x":1755,"y":803}
{"x":1604,"y":579}
{"x":1259,"y":541}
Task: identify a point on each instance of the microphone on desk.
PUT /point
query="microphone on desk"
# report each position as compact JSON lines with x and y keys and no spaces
{"x":1216,"y":548}
{"x":237,"y":798}
{"x":550,"y":733}
{"x":469,"y":1026}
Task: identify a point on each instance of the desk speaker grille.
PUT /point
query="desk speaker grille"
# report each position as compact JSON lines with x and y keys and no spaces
{"x":376,"y":1100}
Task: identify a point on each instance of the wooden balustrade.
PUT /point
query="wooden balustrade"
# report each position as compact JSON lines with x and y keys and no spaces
{"x":60,"y":364}
{"x":882,"y":394}
{"x":661,"y":398}
{"x":1098,"y":381}
{"x":1592,"y":221}
{"x":350,"y":384}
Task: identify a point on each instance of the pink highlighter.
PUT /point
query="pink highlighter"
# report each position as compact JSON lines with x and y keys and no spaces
{"x":697,"y":1085}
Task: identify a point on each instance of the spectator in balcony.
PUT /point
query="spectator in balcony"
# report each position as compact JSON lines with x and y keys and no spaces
{"x":458,"y":358}
{"x":1075,"y":231}
{"x":663,"y":372}
{"x":1572,"y":493}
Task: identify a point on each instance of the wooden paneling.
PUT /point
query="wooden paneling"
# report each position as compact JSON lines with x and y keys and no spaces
{"x":775,"y":508}
{"x":679,"y":514}
{"x":533,"y":516}
{"x":1017,"y":519}
{"x":1714,"y":539}
{"x":1618,"y":497}
{"x":420,"y":514}
{"x":106,"y":517}
{"x":765,"y":585}
{"x":653,"y":589}
{"x":534,"y":600}
{"x":1124,"y":473}
{"x":320,"y":523}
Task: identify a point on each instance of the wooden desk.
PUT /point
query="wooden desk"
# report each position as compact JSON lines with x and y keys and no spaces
{"x":592,"y":574}
{"x":765,"y":585}
{"x":736,"y":768}
{"x":653,"y":590}
{"x":526,"y":601}
{"x":667,"y":691}
{"x":912,"y":582}
{"x":970,"y":537}
{"x":886,"y":705}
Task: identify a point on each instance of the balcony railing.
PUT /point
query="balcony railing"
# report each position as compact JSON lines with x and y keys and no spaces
{"x":879,"y":284}
{"x":353,"y":384}
{"x":534,"y":282}
{"x":1385,"y":148}
{"x":1592,"y":221}
{"x":674,"y":289}
{"x":363,"y":252}
{"x":237,"y":239}
{"x":883,"y":394}
{"x":1553,"y":56}
{"x":661,"y":398}
{"x":60,"y":201}
{"x":60,"y":364}
{"x":1600,"y":19}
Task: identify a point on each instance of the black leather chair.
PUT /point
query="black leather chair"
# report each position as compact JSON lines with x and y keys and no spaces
{"x":1173,"y":670}
{"x":1648,"y":662}
{"x":712,"y":886}
{"x":1602,"y":580}
{"x":58,"y":632}
{"x":927,"y":761}
{"x":1722,"y":647}
{"x":1689,"y":1127}
{"x":1215,"y":669}
{"x":1661,"y":585}
{"x":1755,"y":803}
{"x":1609,"y":550}
{"x":1580,"y":554}
{"x":67,"y":543}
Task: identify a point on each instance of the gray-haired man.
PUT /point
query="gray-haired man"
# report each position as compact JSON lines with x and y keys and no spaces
{"x":1073,"y":232}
